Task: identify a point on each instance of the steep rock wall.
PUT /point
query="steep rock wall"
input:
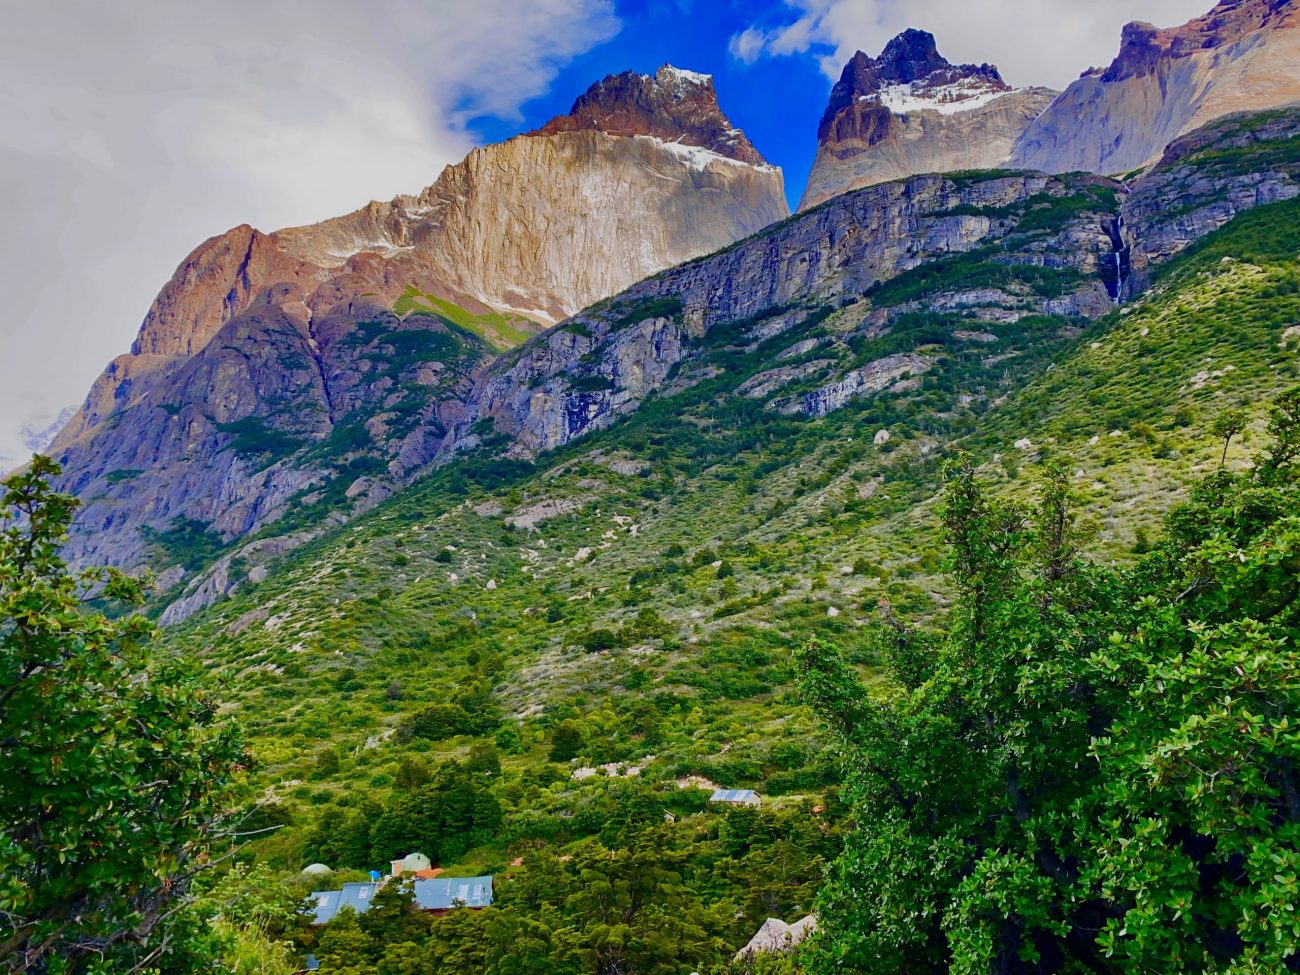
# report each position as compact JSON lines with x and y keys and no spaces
{"x":1242,"y":56}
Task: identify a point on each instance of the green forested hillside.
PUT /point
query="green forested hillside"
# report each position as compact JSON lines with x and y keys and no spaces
{"x":432,"y":675}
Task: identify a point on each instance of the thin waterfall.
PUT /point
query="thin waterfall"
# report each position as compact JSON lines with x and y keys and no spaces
{"x":1119,"y":256}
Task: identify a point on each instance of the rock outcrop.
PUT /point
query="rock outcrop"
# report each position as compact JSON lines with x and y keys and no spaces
{"x":1207,"y":178}
{"x":1244,"y":55}
{"x":911,"y":111}
{"x":776,"y":936}
{"x":322,"y":365}
{"x":889,"y":373}
{"x":603,"y":363}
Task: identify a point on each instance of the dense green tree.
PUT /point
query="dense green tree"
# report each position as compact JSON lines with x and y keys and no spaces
{"x":255,"y":916}
{"x":484,"y":759}
{"x":344,"y":947}
{"x":437,"y":722}
{"x":393,"y":916}
{"x":454,"y":812}
{"x":1226,"y":426}
{"x":116,"y":769}
{"x":482,"y":712}
{"x":566,"y":741}
{"x":342,"y":839}
{"x":412,"y":772}
{"x":600,"y":640}
{"x":1092,"y":770}
{"x":630,"y":912}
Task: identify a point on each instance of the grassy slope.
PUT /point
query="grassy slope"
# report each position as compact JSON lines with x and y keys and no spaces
{"x":499,"y":331}
{"x":813,"y":524}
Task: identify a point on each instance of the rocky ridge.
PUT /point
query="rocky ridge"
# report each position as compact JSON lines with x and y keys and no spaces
{"x":1239,"y":57}
{"x":1207,"y":178}
{"x":912,"y":111}
{"x":288,"y":421}
{"x":605,"y":362}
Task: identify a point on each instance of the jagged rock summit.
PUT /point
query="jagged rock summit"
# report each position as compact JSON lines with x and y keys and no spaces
{"x":673,"y":105}
{"x":912,"y":111}
{"x":1244,"y":55}
{"x":325,"y":361}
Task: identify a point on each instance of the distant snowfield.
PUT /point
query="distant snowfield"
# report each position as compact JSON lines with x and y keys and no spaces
{"x":36,"y":434}
{"x":945,"y":99}
{"x":694,"y":77}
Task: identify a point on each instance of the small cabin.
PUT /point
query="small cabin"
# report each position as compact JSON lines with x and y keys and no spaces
{"x":737,"y":797}
{"x":329,"y":902}
{"x":442,"y":894}
{"x":415,"y":865}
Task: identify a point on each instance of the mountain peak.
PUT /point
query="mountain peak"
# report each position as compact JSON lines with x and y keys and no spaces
{"x":911,"y":75}
{"x":910,"y":56}
{"x":911,"y":110}
{"x":673,"y":104}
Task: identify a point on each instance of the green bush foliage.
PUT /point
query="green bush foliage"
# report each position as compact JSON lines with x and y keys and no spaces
{"x":118,"y":774}
{"x":1090,"y":769}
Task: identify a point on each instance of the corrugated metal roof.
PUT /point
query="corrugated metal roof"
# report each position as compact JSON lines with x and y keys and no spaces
{"x":440,"y":894}
{"x":444,"y":893}
{"x":358,"y":897}
{"x":327,"y":905}
{"x":330,"y":902}
{"x":734,"y":795}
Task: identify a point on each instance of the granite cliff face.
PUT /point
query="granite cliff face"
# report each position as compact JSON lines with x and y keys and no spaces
{"x":1244,"y":55}
{"x":284,"y":382}
{"x":323,"y":364}
{"x":970,"y":250}
{"x":911,"y":111}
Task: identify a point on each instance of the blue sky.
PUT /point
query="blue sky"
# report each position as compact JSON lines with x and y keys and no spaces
{"x":777,"y":101}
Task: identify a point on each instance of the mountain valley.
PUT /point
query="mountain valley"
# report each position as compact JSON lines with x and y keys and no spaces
{"x":531,"y":529}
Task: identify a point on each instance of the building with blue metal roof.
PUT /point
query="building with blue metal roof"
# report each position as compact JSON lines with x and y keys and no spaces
{"x":736,"y":797}
{"x":357,"y":897}
{"x":330,"y":902}
{"x":326,"y":905}
{"x":444,"y":893}
{"x":441,"y":894}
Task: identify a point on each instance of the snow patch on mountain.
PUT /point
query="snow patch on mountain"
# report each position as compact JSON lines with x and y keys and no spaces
{"x":699,"y":158}
{"x":962,"y":96}
{"x":681,"y":74}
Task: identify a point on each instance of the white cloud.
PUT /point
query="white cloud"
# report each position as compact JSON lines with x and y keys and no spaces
{"x":131,"y":131}
{"x":1034,"y":42}
{"x":748,"y":46}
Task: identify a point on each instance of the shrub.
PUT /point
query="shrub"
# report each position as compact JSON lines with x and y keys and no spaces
{"x":437,"y":722}
{"x":598,"y":641}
